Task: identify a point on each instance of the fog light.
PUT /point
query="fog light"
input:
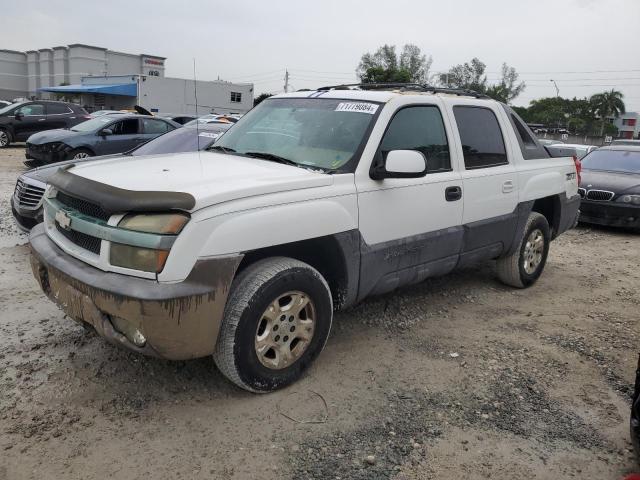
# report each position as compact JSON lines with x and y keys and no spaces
{"x":129,"y":330}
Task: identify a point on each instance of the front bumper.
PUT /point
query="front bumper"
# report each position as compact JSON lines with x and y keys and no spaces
{"x":26,"y":218}
{"x":179,"y":320}
{"x":610,"y":213}
{"x":38,"y":155}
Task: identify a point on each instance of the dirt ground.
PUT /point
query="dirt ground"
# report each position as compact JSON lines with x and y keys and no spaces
{"x":458,"y":377}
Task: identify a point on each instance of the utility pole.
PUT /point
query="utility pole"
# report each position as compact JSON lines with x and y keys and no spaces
{"x":286,"y":81}
{"x":555,"y":85}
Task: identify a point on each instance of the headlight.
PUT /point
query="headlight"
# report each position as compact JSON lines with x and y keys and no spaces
{"x":630,"y":199}
{"x":146,"y":259}
{"x":53,"y":146}
{"x":166,"y":223}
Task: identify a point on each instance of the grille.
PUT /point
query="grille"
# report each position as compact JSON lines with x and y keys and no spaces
{"x":582,"y":192}
{"x":28,"y":195}
{"x":82,"y":206}
{"x":599,"y":195}
{"x":81,"y":239}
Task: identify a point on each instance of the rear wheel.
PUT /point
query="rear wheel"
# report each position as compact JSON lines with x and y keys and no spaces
{"x":525,"y":265}
{"x":277,"y":321}
{"x":79,"y":153}
{"x":5,"y":138}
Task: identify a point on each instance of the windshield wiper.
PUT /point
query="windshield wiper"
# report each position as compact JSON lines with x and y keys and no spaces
{"x":220,"y":148}
{"x":271,"y":157}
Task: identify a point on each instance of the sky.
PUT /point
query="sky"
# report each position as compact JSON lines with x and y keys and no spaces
{"x":586,"y":46}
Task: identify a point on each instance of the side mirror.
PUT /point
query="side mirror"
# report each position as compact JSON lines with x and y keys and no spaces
{"x":106,"y":132}
{"x":401,"y":164}
{"x":19,"y":115}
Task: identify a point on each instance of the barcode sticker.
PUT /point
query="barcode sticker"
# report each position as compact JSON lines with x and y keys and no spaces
{"x":369,"y":108}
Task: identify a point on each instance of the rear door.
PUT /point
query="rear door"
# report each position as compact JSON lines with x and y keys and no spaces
{"x":489,"y":181}
{"x":410,"y":227}
{"x":32,"y":120}
{"x":125,"y":135}
{"x":152,"y":128}
{"x":57,"y":115}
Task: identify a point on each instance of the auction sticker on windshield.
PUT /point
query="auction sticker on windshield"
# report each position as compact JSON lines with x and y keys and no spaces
{"x":357,"y":107}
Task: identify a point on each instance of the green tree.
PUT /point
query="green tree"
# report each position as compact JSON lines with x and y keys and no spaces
{"x":386,"y":66}
{"x":607,"y":104}
{"x":508,"y":88}
{"x":469,"y":76}
{"x":261,"y":97}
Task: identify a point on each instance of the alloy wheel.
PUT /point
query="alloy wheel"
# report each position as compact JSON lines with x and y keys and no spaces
{"x":285,"y":330}
{"x":533,"y":251}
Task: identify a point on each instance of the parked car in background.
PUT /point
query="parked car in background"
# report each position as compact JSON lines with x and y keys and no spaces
{"x":610,"y":187}
{"x":549,"y":141}
{"x":99,"y":113}
{"x":626,"y":142}
{"x":104,"y":135}
{"x":213,"y":118}
{"x":181,"y":119}
{"x":26,"y":202}
{"x":581,"y":150}
{"x":19,"y":121}
{"x":4,"y":103}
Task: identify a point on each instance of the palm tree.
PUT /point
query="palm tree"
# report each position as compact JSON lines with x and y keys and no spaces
{"x":607,"y":104}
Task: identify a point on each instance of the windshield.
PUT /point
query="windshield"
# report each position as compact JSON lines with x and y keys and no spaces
{"x":183,"y":139}
{"x":612,"y":160}
{"x":93,"y":124}
{"x":314,"y":132}
{"x":6,"y":109}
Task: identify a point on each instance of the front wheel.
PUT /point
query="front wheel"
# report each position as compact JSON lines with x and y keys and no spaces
{"x":525,"y":265}
{"x":79,"y":153}
{"x":5,"y":138}
{"x":276,"y":322}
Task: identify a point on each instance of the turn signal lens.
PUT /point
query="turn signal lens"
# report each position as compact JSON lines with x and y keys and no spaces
{"x":137,"y":258}
{"x":166,"y":223}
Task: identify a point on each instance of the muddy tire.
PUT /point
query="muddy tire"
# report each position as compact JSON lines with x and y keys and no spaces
{"x":5,"y":138}
{"x":79,"y":153}
{"x":276,"y":322}
{"x":524,"y":266}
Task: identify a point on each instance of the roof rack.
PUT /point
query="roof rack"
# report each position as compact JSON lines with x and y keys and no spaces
{"x":405,"y":87}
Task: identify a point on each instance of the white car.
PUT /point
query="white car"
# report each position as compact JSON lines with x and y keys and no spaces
{"x":581,"y":150}
{"x":312,"y":202}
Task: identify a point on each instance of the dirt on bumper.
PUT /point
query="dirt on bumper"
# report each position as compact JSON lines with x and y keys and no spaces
{"x":179,"y":321}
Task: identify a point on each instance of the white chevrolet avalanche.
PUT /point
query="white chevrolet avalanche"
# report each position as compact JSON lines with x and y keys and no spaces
{"x":313,"y":201}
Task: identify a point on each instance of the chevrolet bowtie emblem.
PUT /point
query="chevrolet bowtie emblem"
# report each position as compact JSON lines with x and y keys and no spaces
{"x":63,"y":219}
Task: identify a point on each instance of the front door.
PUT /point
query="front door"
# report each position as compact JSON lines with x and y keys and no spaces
{"x":410,"y":227}
{"x":125,"y":134}
{"x":31,"y":119}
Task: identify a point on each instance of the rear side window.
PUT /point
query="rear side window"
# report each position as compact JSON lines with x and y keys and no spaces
{"x":125,"y":127}
{"x":419,"y":128}
{"x":57,"y":109}
{"x":154,"y":126}
{"x":482,"y":141}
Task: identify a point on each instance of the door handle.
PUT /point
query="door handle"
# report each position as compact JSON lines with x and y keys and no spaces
{"x":451,"y":194}
{"x":41,"y":119}
{"x":507,"y":187}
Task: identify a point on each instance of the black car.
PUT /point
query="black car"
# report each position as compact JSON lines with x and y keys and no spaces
{"x":26,"y":202}
{"x":19,"y":121}
{"x":104,"y":135}
{"x":610,"y":187}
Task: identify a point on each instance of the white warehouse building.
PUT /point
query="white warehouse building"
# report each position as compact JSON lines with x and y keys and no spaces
{"x":98,"y":78}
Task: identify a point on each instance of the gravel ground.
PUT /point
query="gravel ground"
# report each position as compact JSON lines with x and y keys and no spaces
{"x":458,"y":377}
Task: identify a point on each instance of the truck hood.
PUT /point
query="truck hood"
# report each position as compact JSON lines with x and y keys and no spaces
{"x":211,"y":178}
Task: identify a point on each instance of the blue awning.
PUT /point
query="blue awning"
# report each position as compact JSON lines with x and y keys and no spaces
{"x":124,"y":89}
